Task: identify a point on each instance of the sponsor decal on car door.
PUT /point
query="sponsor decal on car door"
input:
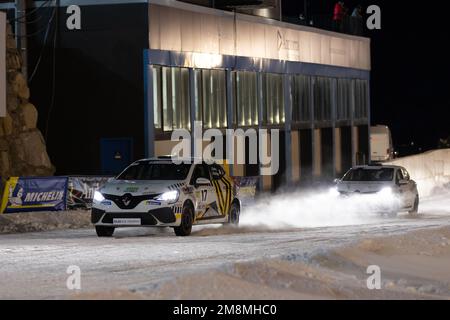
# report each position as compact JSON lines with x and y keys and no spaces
{"x":223,"y":188}
{"x":205,"y":196}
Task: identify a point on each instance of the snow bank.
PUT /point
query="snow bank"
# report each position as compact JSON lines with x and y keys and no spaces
{"x":44,"y":221}
{"x":431,"y":170}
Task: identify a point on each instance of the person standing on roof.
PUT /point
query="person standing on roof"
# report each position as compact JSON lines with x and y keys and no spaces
{"x":356,"y":21}
{"x":338,"y":15}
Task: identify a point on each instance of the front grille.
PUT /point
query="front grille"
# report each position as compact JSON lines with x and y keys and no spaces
{"x":146,"y":218}
{"x":357,"y":193}
{"x":127,"y":201}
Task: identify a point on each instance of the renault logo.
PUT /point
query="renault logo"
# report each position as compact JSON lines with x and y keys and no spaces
{"x":126,"y":199}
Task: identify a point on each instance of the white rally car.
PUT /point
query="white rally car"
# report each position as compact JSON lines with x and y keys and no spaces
{"x":159,"y":192}
{"x":390,"y":187}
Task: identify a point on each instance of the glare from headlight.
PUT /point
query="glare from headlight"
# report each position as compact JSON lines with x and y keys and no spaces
{"x":386,"y":192}
{"x":98,"y":196}
{"x":334,"y":192}
{"x":169,"y":196}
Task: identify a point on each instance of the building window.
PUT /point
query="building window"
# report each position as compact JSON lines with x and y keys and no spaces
{"x":361,"y":99}
{"x":171,"y":98}
{"x":246,"y":98}
{"x":301,"y":99}
{"x":344,"y":99}
{"x":157,"y":115}
{"x":273,"y":106}
{"x":211,"y":106}
{"x":322,"y":99}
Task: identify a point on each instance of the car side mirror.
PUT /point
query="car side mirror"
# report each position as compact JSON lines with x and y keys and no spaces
{"x":403,"y":182}
{"x":336,"y":181}
{"x":201,"y":182}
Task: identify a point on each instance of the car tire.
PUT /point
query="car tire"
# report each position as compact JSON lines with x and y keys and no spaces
{"x":415,"y":210}
{"x":187,"y":218}
{"x":103,"y":231}
{"x":233,"y":216}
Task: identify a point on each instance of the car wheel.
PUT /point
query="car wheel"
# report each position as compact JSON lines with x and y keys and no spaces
{"x":185,"y":227}
{"x":103,"y":231}
{"x":233,"y":216}
{"x":415,"y":210}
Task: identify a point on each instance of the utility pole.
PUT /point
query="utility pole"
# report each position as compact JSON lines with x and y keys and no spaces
{"x":21,"y":33}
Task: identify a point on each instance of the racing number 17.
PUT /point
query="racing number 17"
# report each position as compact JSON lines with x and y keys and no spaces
{"x":204,"y":194}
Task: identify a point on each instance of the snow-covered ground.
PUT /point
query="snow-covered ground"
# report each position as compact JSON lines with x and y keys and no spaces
{"x":312,"y":249}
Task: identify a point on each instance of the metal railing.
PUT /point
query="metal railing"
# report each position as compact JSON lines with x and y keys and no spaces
{"x":348,"y":24}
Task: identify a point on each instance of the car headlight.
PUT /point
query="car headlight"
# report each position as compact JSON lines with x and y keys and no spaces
{"x":98,"y":196}
{"x":386,"y":192}
{"x":169,"y":196}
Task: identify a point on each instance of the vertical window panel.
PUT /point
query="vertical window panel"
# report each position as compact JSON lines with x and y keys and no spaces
{"x":301,"y":98}
{"x":361,"y":99}
{"x":344,"y":99}
{"x":273,"y":106}
{"x":157,"y":116}
{"x":171,"y":99}
{"x":322,"y":99}
{"x":214,"y":99}
{"x":247,"y":101}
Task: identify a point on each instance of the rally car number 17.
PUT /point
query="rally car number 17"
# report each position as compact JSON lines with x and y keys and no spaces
{"x":161,"y":192}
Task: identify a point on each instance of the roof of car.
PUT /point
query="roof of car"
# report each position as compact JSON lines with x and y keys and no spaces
{"x":165,"y":158}
{"x":377,"y":166}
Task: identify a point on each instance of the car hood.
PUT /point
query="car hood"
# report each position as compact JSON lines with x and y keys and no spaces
{"x":134,"y":187}
{"x":361,"y":186}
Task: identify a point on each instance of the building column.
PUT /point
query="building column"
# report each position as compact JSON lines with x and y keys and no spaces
{"x":295,"y":156}
{"x":355,"y":143}
{"x":317,"y":153}
{"x":369,"y":121}
{"x":354,"y":135}
{"x":334,"y":118}
{"x":230,"y":108}
{"x":265,"y":182}
{"x":315,"y":141}
{"x":193,"y":102}
{"x":337,"y":151}
{"x":149,"y":121}
{"x":287,"y":127}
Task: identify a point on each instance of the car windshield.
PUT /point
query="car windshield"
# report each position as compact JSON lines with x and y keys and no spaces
{"x":155,"y":171}
{"x":376,"y":175}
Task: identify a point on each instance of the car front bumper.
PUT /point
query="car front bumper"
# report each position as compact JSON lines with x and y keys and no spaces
{"x":163,"y":217}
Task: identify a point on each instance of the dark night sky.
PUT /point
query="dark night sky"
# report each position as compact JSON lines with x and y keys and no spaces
{"x":410,"y":66}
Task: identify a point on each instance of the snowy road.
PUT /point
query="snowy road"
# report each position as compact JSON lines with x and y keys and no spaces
{"x":34,"y":265}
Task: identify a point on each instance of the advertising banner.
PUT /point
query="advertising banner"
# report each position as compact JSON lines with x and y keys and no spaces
{"x":81,"y":191}
{"x":34,"y":194}
{"x":246,"y":188}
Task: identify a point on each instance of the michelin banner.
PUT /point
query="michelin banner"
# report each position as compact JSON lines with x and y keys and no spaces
{"x":34,"y":194}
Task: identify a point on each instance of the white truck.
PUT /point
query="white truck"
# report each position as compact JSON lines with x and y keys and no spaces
{"x":381,"y":148}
